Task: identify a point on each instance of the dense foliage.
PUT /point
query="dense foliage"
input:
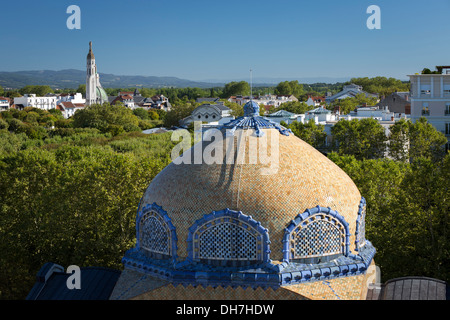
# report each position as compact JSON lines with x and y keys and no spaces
{"x":407,"y":213}
{"x":365,"y":138}
{"x":381,"y":85}
{"x":71,"y":199}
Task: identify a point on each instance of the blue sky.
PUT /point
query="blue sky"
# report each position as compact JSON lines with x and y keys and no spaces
{"x":198,"y":39}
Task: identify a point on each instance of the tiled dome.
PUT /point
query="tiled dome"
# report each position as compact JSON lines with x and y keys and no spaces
{"x":210,"y":227}
{"x":304,"y":179}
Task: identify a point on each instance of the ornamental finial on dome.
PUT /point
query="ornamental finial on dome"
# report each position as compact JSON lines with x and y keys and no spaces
{"x":251,"y":109}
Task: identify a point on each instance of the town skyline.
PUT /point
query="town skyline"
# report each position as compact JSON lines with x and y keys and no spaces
{"x":218,"y":42}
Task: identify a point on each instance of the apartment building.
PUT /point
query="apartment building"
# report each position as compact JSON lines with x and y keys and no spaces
{"x":430,"y":98}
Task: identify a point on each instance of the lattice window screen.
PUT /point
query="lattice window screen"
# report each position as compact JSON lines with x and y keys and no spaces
{"x":317,"y":237}
{"x":154,"y":234}
{"x":228,"y":240}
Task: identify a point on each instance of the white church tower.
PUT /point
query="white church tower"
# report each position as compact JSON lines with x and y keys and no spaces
{"x":94,"y":91}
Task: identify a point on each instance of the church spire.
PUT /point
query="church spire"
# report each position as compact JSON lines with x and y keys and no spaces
{"x":90,"y":54}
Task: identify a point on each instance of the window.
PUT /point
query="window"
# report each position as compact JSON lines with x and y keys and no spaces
{"x":155,"y":233}
{"x":447,"y":109}
{"x":425,"y":89}
{"x":228,"y":238}
{"x":447,"y":128}
{"x":425,"y":109}
{"x":446,"y":89}
{"x":317,"y":235}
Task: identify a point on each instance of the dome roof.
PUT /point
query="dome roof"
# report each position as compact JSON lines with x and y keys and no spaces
{"x":273,"y":195}
{"x":101,"y":93}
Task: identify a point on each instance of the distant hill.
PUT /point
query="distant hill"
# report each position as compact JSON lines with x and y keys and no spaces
{"x":72,"y":78}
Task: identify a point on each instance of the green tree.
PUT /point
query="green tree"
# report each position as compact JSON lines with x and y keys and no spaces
{"x":177,"y":113}
{"x":381,"y":85}
{"x":297,"y":107}
{"x":398,"y":145}
{"x":236,"y":88}
{"x":309,"y":132}
{"x":425,"y":140}
{"x":365,"y":139}
{"x":37,"y":89}
{"x":287,"y":88}
{"x":82,"y":89}
{"x":141,"y":113}
{"x":82,"y":212}
{"x":101,"y":116}
{"x":3,"y":125}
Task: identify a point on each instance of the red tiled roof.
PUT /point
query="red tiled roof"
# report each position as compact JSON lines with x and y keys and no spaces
{"x":68,"y":104}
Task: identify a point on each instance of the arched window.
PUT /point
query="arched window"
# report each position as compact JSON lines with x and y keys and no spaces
{"x":361,"y":226}
{"x":156,"y":236}
{"x":228,"y":238}
{"x":317,"y":235}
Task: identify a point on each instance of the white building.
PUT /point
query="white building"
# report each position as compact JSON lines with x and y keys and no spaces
{"x":266,"y":100}
{"x":30,"y":100}
{"x":75,"y":98}
{"x":430,"y":98}
{"x":94,"y":91}
{"x":213,"y":114}
{"x":68,"y":108}
{"x":320,"y":115}
{"x":4,"y":104}
{"x":328,"y":119}
{"x":349,"y":91}
{"x":315,"y":101}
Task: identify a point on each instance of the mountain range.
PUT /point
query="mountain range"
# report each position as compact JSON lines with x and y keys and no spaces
{"x":72,"y":78}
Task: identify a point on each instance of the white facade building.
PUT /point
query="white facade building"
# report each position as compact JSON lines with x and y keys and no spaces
{"x":430,"y":98}
{"x":30,"y":100}
{"x":349,"y":91}
{"x":68,"y":108}
{"x":76,"y":98}
{"x":4,"y":104}
{"x":266,"y":100}
{"x":213,"y":114}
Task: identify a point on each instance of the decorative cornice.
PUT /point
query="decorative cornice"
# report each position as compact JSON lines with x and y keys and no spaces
{"x":265,"y":274}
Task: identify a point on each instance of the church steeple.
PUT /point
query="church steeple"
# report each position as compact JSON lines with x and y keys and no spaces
{"x":90,"y":55}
